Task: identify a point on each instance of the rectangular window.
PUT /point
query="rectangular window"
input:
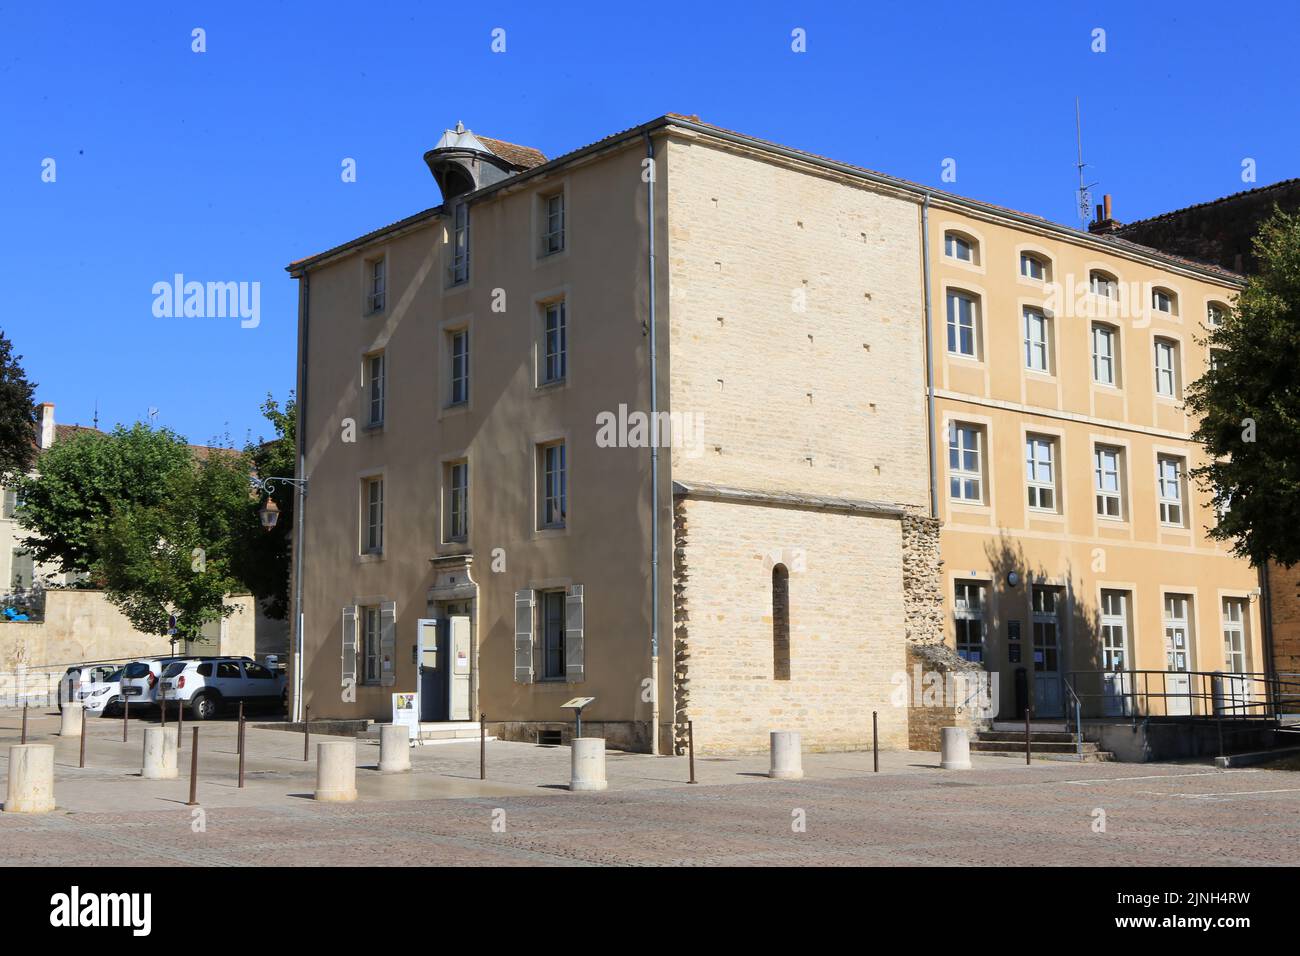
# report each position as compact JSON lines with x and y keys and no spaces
{"x":1046,"y":615}
{"x":1214,"y":315}
{"x":1234,"y":635}
{"x":23,"y":570}
{"x":1114,"y":630}
{"x":1178,"y":646}
{"x":961,"y":325}
{"x":1166,"y":357}
{"x":965,"y":463}
{"x":375,"y":389}
{"x":376,"y":285}
{"x":1040,"y":472}
{"x":374,"y":537}
{"x":1106,"y":463}
{"x":554,"y":486}
{"x":1169,"y":482}
{"x":1101,"y":284}
{"x":458,"y":347}
{"x":552,"y":611}
{"x":1036,"y":347}
{"x":371,"y":635}
{"x":553,"y":227}
{"x":1162,"y":301}
{"x":555,"y":346}
{"x":459,"y":270}
{"x":1103,"y":354}
{"x":968,"y":612}
{"x":457,"y":504}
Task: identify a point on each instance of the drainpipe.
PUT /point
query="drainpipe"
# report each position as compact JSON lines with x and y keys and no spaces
{"x":929,"y":357}
{"x":654,"y":453}
{"x":300,"y":509}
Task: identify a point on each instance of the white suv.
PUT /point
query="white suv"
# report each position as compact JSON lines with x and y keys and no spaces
{"x":140,"y":680}
{"x":209,"y":684}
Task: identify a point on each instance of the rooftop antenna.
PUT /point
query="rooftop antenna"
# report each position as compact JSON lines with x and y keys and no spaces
{"x":1085,"y":194}
{"x":153,"y":415}
{"x":96,"y":418}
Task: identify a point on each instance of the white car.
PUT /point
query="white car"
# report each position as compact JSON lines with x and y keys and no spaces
{"x":79,"y":676}
{"x":209,"y":684}
{"x":102,"y":697}
{"x":140,"y":680}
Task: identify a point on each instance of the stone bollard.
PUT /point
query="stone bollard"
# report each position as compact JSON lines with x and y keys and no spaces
{"x":159,"y":753}
{"x":394,"y":748}
{"x":336,"y":771}
{"x":955,"y":754}
{"x":787,"y":758}
{"x":31,"y":779}
{"x":71,"y":719}
{"x":587,"y":769}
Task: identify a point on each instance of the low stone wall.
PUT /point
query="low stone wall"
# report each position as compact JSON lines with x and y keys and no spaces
{"x":82,"y":626}
{"x":619,"y":735}
{"x":944,"y":690}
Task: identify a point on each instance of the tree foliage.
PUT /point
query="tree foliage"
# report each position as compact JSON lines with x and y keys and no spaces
{"x":17,"y":415}
{"x":1249,"y":405}
{"x":265,"y":568}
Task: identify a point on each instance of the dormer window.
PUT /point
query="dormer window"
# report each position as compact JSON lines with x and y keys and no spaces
{"x":959,"y":247}
{"x":1032,"y":267}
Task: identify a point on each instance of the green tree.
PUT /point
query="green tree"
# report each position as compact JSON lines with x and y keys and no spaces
{"x":264,"y":566}
{"x":1249,"y":405}
{"x":17,"y":415}
{"x":85,"y":481}
{"x":179,"y":555}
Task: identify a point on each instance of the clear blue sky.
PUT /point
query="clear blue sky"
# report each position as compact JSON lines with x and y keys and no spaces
{"x":225,"y":165}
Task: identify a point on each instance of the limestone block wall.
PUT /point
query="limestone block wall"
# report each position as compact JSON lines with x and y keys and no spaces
{"x":846,"y":626}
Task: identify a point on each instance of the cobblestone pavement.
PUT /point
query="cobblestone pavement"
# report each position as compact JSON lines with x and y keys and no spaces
{"x":1001,"y":812}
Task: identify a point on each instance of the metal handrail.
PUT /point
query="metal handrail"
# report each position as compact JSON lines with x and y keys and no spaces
{"x":1200,"y":695}
{"x":1078,"y":719}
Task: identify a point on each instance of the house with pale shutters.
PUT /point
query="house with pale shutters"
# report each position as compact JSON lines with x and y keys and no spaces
{"x":674,"y":420}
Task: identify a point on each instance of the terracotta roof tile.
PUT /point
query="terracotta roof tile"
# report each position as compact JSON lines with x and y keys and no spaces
{"x":523,"y":156}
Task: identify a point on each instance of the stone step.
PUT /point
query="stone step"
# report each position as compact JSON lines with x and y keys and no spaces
{"x":1007,"y":746}
{"x":1089,"y":756}
{"x":1047,"y":726}
{"x":1046,"y":736}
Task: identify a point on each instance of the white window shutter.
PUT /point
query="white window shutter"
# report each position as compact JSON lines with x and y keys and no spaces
{"x":524,"y":602}
{"x":349,"y":646}
{"x":573,"y":623}
{"x":388,"y":643}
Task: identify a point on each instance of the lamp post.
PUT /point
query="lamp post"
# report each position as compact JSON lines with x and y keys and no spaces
{"x":269,"y":514}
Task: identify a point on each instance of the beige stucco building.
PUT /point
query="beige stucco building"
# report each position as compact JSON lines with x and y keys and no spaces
{"x":474,"y":382}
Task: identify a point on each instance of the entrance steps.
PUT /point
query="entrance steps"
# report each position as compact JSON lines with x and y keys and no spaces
{"x":1050,"y":741}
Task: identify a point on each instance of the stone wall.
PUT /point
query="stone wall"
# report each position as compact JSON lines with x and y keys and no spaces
{"x":1284,"y":597}
{"x":82,"y":626}
{"x":846,"y":626}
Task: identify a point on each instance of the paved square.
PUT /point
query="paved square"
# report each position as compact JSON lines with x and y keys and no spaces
{"x":1001,"y":812}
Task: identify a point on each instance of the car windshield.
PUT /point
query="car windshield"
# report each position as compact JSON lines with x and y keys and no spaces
{"x":116,"y":675}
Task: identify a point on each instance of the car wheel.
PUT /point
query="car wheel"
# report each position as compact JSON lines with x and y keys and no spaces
{"x":204,"y":707}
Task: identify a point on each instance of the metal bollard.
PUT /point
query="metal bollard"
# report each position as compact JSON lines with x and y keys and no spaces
{"x":194,"y":770}
{"x":482,"y":746}
{"x":306,"y":732}
{"x":23,"y":741}
{"x":81,"y":763}
{"x":1027,"y":749}
{"x":180,"y":724}
{"x":126,"y":713}
{"x":875,"y":743}
{"x":690,"y":746}
{"x":241,"y":744}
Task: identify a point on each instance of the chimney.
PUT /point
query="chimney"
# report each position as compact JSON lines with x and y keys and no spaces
{"x":47,"y":425}
{"x":1105,"y":223}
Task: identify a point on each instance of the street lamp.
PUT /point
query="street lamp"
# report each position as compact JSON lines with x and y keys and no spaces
{"x":269,"y":514}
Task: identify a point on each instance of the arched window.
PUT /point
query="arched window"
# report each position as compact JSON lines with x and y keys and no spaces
{"x":1103,"y":284}
{"x":780,"y":622}
{"x":962,"y":247}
